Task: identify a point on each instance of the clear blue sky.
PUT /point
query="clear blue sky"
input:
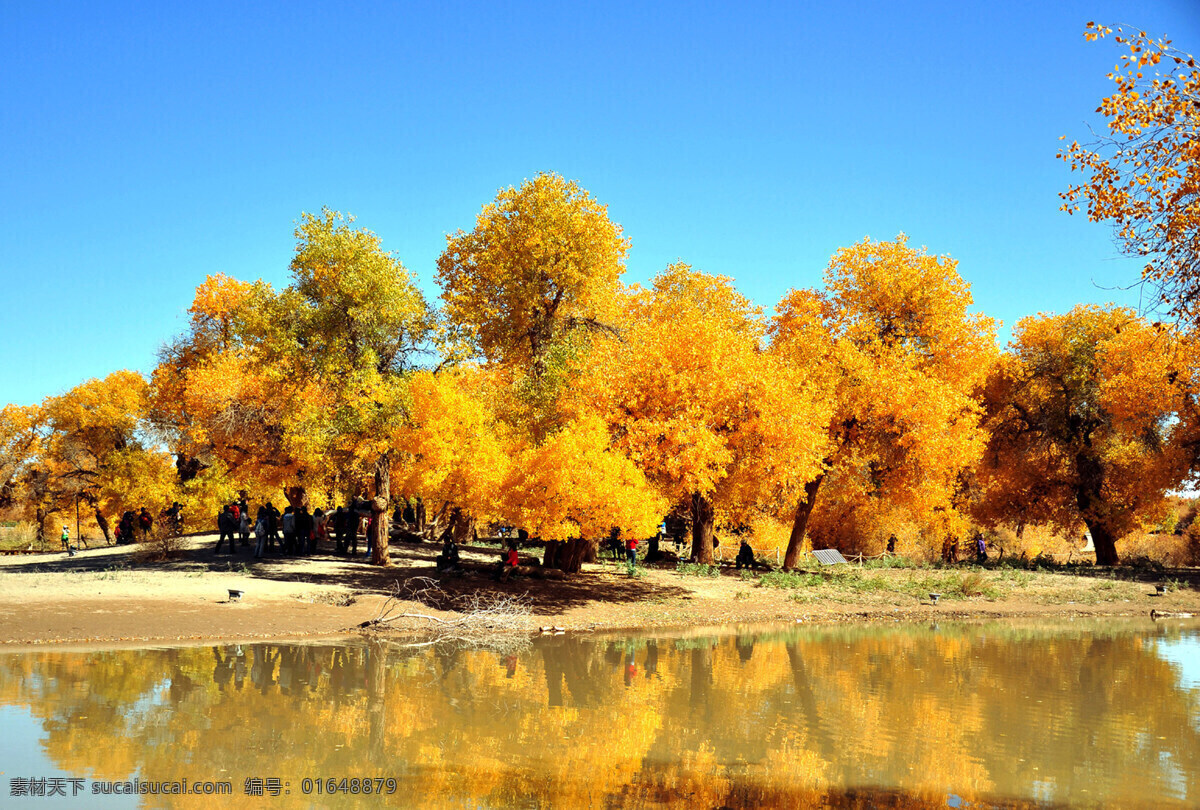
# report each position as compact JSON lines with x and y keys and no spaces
{"x":147,"y":145}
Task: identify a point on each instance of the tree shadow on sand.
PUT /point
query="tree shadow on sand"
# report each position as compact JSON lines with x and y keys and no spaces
{"x":413,"y":560}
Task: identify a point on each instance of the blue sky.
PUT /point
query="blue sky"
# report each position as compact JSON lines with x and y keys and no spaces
{"x":147,"y":145}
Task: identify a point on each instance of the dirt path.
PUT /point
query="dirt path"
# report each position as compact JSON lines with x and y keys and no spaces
{"x":109,"y":595}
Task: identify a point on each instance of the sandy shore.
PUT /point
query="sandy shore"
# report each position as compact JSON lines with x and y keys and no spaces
{"x":109,"y":594}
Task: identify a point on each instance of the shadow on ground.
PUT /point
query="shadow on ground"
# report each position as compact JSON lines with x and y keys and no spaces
{"x":324,"y":568}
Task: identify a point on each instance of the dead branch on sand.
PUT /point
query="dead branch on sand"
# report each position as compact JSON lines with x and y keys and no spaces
{"x":492,"y":620}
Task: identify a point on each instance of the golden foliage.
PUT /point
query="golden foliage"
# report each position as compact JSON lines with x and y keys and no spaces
{"x":542,"y":261}
{"x":1090,"y":415}
{"x":453,"y":449}
{"x":892,"y":347}
{"x":690,"y":396}
{"x":1144,"y":174}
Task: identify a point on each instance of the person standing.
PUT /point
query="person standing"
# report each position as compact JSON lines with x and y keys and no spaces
{"x":631,"y":550}
{"x":288,"y":523}
{"x":65,"y":538}
{"x":260,"y":535}
{"x":146,"y":523}
{"x":262,"y":518}
{"x":225,"y":525}
{"x":980,"y":548}
{"x":340,"y":521}
{"x":304,"y":530}
{"x":272,"y":526}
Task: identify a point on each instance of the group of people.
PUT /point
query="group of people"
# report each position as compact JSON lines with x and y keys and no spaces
{"x":132,"y":524}
{"x":950,"y":548}
{"x":295,"y":531}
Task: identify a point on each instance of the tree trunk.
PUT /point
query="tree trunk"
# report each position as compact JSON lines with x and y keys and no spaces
{"x":379,"y":507}
{"x":102,"y":522}
{"x":462,"y":526}
{"x":800,"y":524}
{"x":1105,"y":543}
{"x":296,"y":496}
{"x":41,"y":527}
{"x":653,"y":552}
{"x":1089,"y":494}
{"x":567,"y":556}
{"x":419,"y":510}
{"x":702,"y":529}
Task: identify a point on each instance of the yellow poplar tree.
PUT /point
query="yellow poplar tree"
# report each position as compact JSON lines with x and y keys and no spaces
{"x":87,"y":446}
{"x":1092,"y":417}
{"x":542,"y":262}
{"x":527,"y":290}
{"x":892,"y":347}
{"x":220,"y":406}
{"x":692,"y":398}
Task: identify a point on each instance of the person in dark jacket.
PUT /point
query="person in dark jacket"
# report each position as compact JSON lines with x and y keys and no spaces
{"x":304,"y":530}
{"x":226,"y":525}
{"x":745,"y":556}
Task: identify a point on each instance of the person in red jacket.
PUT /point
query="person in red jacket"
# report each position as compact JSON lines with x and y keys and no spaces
{"x":631,"y":550}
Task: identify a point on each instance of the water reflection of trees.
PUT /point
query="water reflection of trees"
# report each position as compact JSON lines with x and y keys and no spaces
{"x":806,"y":717}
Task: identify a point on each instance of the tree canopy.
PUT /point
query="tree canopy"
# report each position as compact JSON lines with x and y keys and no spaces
{"x":1090,"y":416}
{"x":548,"y":396}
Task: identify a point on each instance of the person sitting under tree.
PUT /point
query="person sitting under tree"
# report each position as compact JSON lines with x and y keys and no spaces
{"x":745,"y":556}
{"x":448,"y":560}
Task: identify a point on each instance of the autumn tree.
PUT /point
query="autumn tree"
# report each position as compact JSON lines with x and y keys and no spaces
{"x":89,"y":445}
{"x":351,"y":325}
{"x":303,"y":385}
{"x":23,"y":482}
{"x":1091,"y":417}
{"x":1143,"y":173}
{"x":526,"y":291}
{"x":214,"y":402}
{"x":893,"y":348}
{"x":542,"y":262}
{"x":690,"y":395}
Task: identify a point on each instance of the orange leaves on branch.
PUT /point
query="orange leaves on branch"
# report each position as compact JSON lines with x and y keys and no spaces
{"x":1143,"y":176}
{"x":1091,"y":418}
{"x":574,"y":485}
{"x":691,"y":396}
{"x":895,"y":352}
{"x":453,"y":449}
{"x":542,"y":261}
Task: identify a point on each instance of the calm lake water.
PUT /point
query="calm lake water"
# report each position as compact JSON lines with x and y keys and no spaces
{"x":1072,"y":714}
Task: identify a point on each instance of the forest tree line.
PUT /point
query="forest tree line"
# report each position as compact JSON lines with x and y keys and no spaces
{"x":544,"y":393}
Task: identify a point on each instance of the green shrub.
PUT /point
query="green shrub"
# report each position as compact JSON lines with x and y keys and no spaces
{"x":892,"y":561}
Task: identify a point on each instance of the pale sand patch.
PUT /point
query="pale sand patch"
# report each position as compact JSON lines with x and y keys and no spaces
{"x":109,"y":595}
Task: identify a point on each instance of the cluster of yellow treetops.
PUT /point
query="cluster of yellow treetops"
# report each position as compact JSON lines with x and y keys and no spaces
{"x":547,"y":394}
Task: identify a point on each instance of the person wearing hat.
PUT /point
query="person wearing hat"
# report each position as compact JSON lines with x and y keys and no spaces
{"x":66,"y":539}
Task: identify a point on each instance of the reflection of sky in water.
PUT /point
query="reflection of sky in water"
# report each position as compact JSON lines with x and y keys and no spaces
{"x":1184,"y":654}
{"x":18,"y":758}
